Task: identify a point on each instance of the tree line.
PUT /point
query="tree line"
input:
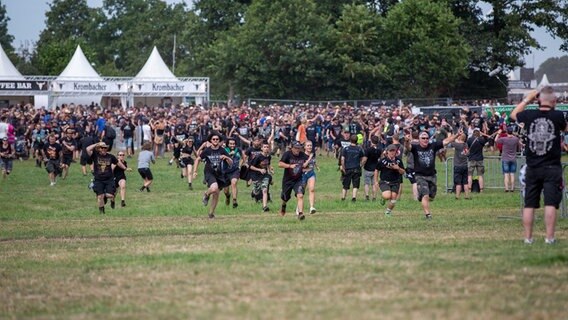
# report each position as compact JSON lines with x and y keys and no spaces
{"x":302,"y":49}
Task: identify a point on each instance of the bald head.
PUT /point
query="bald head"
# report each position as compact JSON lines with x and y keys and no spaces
{"x":547,"y":97}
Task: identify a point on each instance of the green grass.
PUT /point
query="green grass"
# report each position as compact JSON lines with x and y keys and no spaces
{"x":160,"y":257}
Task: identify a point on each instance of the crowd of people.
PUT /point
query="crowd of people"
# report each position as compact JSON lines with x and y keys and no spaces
{"x":379,"y":143}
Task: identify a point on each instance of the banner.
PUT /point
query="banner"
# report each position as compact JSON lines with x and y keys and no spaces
{"x":186,"y":88}
{"x":24,"y":85}
{"x":90,"y":86}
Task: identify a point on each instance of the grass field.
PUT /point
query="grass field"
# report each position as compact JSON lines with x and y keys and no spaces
{"x":160,"y":257}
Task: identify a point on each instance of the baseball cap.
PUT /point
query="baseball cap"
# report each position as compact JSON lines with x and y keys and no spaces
{"x":392,"y":147}
{"x":296,"y":144}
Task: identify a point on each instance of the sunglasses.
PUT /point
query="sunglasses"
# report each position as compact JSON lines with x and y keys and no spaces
{"x":424,"y":138}
{"x":215,"y":139}
{"x":121,"y":154}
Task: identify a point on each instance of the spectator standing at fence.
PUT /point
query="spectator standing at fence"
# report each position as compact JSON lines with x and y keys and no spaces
{"x":460,"y":166}
{"x":510,"y":144}
{"x":424,"y":155}
{"x":544,"y":128}
{"x":352,"y":159}
{"x":475,"y":163}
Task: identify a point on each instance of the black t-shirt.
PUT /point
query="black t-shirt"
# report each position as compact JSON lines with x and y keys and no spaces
{"x":388,"y":174}
{"x":425,"y":158}
{"x":127,"y":130}
{"x":544,"y":135}
{"x":475,"y":145}
{"x":6,"y":151}
{"x":69,"y":141}
{"x":251,"y":153}
{"x":261,"y":162}
{"x":119,"y":173}
{"x":293,"y":174}
{"x":311,"y":132}
{"x":336,"y":130}
{"x":373,"y":153}
{"x":352,"y":155}
{"x":52,"y":151}
{"x":103,"y":166}
{"x":213,"y":162}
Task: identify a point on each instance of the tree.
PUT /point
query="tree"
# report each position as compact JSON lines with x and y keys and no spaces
{"x":556,"y":69}
{"x":6,"y":39}
{"x":423,"y":49}
{"x":356,"y":45}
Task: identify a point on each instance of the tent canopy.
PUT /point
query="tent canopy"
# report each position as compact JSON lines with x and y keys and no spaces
{"x":79,"y":68}
{"x":155,"y":69}
{"x":7,"y":69}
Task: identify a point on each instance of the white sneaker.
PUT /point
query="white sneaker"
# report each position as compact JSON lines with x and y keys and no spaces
{"x":52,"y":184}
{"x":312,"y":210}
{"x":529,"y":241}
{"x":550,"y":241}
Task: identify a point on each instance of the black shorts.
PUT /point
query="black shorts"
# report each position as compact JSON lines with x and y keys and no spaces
{"x":53,"y":166}
{"x":389,"y":186}
{"x":85,"y":159}
{"x":548,"y":180}
{"x":222,"y":181}
{"x":288,"y":186}
{"x":67,"y":159}
{"x":426,"y":186}
{"x":351,"y":176}
{"x":117,"y":180}
{"x":234,"y":175}
{"x":145,"y":173}
{"x":187,"y":161}
{"x":104,"y":186}
{"x":460,"y":176}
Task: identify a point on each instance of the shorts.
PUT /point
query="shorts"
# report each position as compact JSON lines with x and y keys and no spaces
{"x":187,"y":161}
{"x":288,"y":186}
{"x":369,"y":177}
{"x":509,"y":166}
{"x":220,"y":180}
{"x":460,"y":176}
{"x":85,"y":159}
{"x":546,"y":179}
{"x":104,"y":186}
{"x":6,"y":164}
{"x":128,"y":143}
{"x":472,"y":166}
{"x":426,"y":186}
{"x":234,"y":175}
{"x":389,"y":186}
{"x":53,"y":166}
{"x":351,"y":176}
{"x":259,"y":185}
{"x":117,"y":180}
{"x":67,"y":159}
{"x":145,"y":173}
{"x":308,"y":175}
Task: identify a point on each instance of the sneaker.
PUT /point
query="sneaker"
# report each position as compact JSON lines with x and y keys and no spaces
{"x":101,"y":210}
{"x":301,"y":216}
{"x":353,"y":199}
{"x":312,"y":210}
{"x":428,"y":216}
{"x":142,"y":188}
{"x":342,"y":199}
{"x":112,"y":204}
{"x":388,"y":213}
{"x":265,"y":209}
{"x":190,"y":187}
{"x":528,"y":241}
{"x":147,"y":189}
{"x":211,"y":216}
{"x":227,"y":200}
{"x":382,"y":201}
{"x":171,"y":162}
{"x":235,"y":205}
{"x":283,"y":210}
{"x":51,"y":184}
{"x":181,"y":175}
{"x":367,"y":198}
{"x":550,"y":241}
{"x":122,"y":203}
{"x":205,"y":199}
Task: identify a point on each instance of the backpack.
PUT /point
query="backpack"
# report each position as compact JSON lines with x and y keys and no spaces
{"x":110,"y":133}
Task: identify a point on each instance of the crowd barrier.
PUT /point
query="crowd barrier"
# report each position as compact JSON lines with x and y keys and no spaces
{"x":493,"y":179}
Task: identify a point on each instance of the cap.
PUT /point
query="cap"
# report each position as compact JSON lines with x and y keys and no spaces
{"x":5,"y":138}
{"x":296,"y":144}
{"x":392,"y":147}
{"x":102,"y":145}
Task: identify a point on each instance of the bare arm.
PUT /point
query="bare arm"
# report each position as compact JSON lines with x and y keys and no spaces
{"x":523,"y":104}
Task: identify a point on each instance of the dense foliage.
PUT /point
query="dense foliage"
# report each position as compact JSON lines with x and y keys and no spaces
{"x":304,"y":49}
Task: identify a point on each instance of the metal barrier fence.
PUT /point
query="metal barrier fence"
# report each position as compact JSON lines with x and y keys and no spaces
{"x":493,"y":179}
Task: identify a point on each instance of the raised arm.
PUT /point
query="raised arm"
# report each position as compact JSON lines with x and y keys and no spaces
{"x":523,"y":104}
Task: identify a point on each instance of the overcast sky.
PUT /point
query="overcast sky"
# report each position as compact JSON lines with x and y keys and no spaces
{"x":27,"y":19}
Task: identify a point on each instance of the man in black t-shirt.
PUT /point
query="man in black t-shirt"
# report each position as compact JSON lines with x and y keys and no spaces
{"x":52,"y":155}
{"x":293,"y":162}
{"x":424,"y":155}
{"x":69,"y":145}
{"x":127,"y":136}
{"x":260,"y":173}
{"x":544,"y":129}
{"x":370,"y":178}
{"x":352,"y":158}
{"x":103,"y":173}
{"x":475,"y":163}
{"x":391,"y":169}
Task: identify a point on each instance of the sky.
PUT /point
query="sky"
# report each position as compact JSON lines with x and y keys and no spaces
{"x":27,"y":19}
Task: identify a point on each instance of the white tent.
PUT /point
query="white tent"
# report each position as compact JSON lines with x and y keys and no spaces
{"x":544,"y":81}
{"x":7,"y":69}
{"x":78,"y":70}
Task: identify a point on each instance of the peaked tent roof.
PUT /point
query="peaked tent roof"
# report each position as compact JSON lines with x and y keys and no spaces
{"x":79,"y":68}
{"x":7,"y":69}
{"x":155,"y":69}
{"x":544,"y":81}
